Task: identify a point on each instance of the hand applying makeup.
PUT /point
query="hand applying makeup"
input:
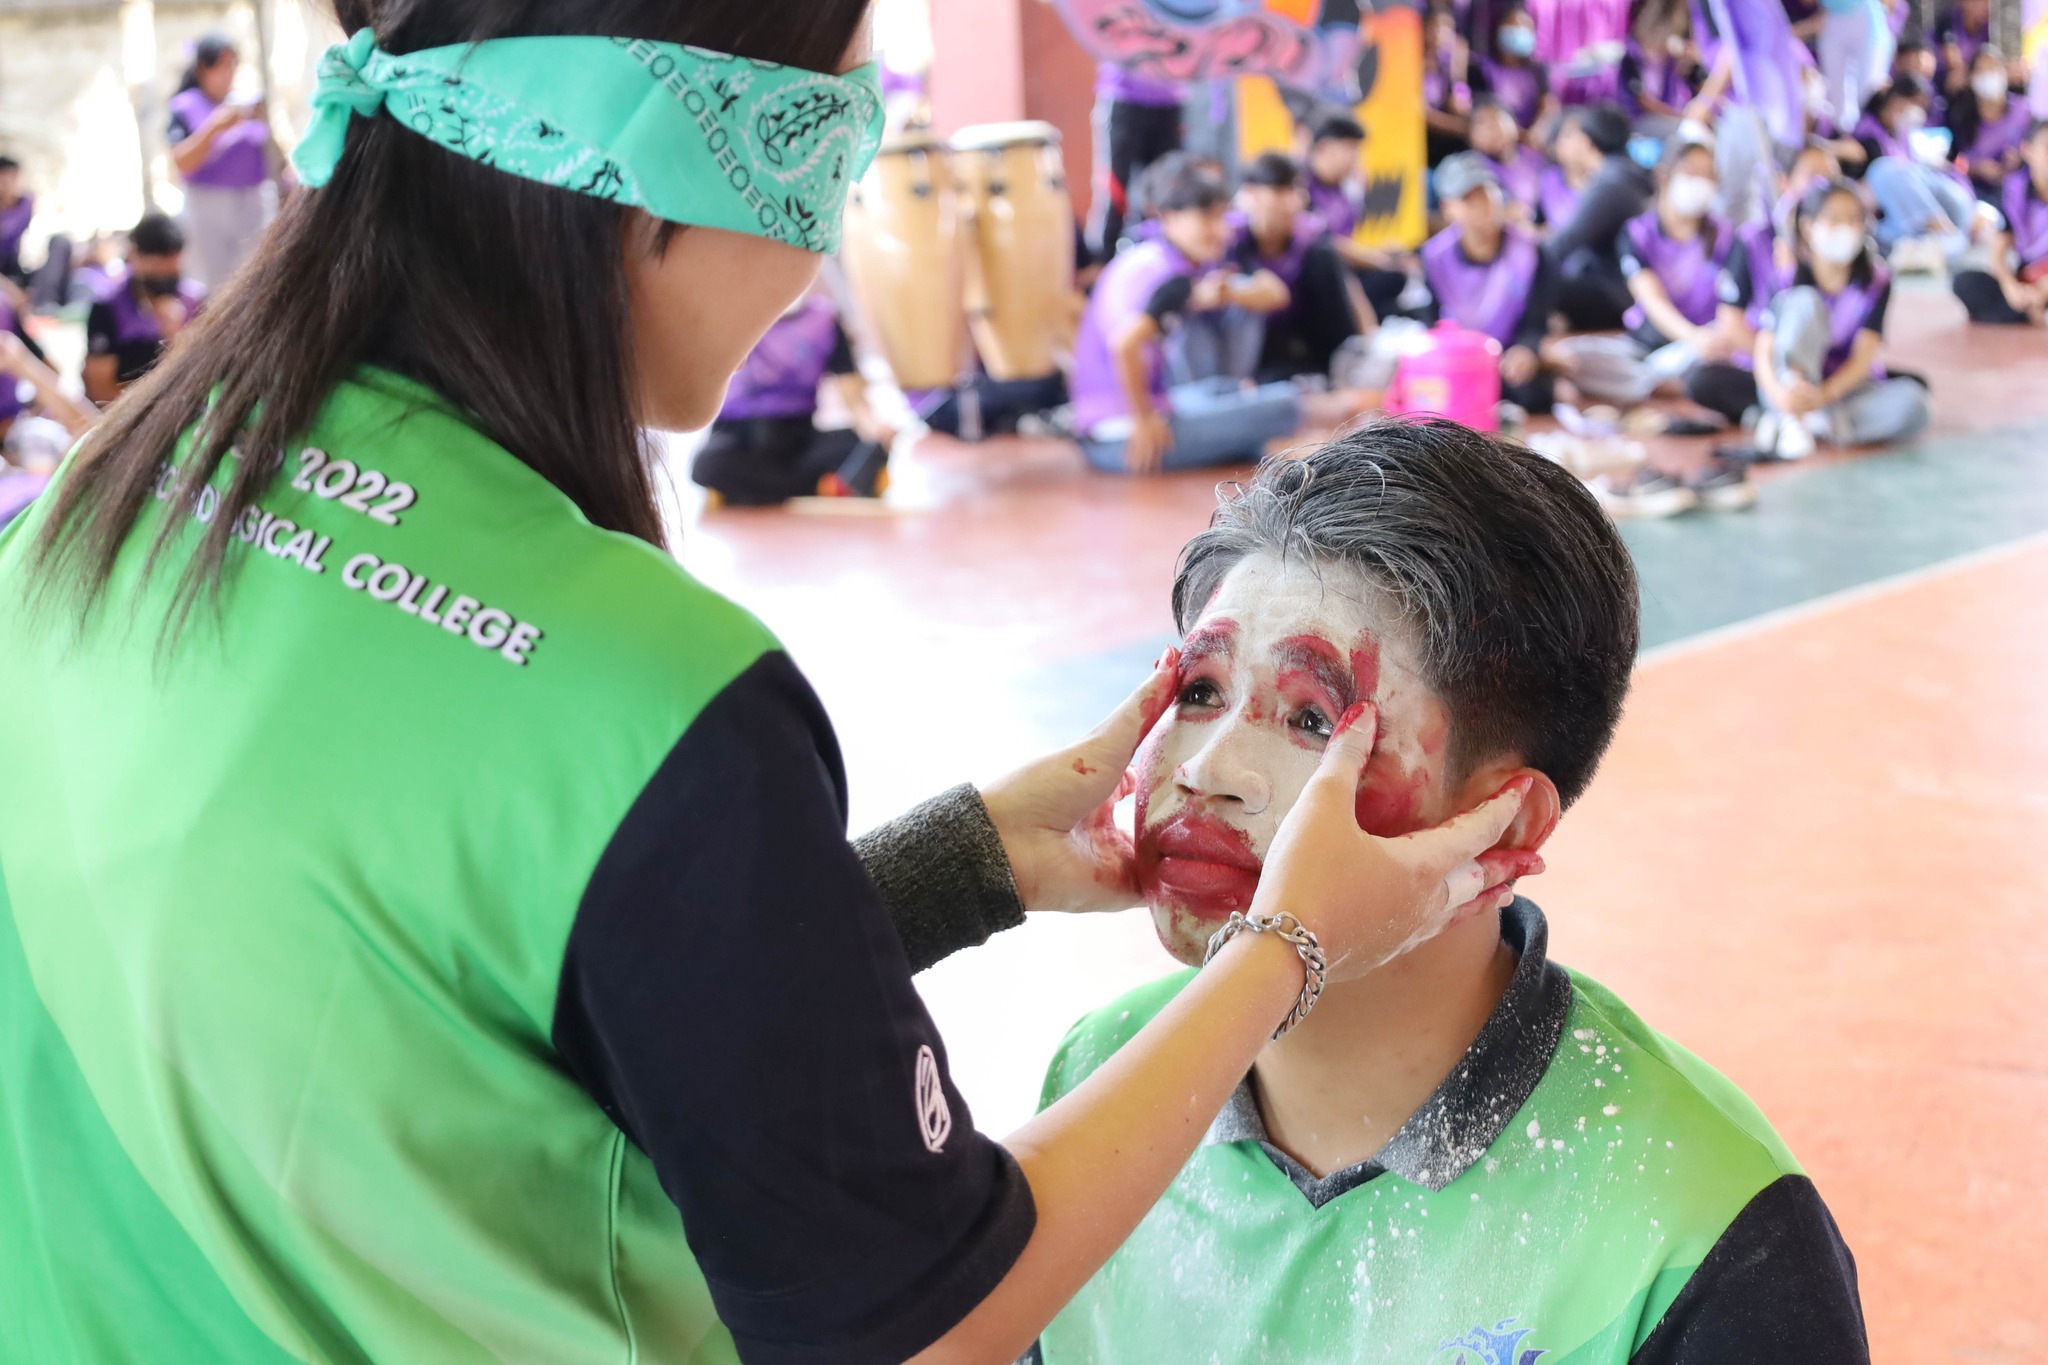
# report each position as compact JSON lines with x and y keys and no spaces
{"x":1370,"y":899}
{"x":1056,"y":816}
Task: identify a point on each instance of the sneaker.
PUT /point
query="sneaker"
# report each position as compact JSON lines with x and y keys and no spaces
{"x":1724,"y":486}
{"x":1647,"y":494}
{"x":864,"y":475}
{"x":1795,"y":440}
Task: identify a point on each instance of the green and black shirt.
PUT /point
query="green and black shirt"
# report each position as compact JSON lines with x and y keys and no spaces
{"x":1579,"y":1191}
{"x":382,"y":973}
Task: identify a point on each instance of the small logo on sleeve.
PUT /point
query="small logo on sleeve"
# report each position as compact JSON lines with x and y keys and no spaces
{"x":934,"y":1117}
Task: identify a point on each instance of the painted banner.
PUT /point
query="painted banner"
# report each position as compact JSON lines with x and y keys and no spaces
{"x":1327,"y":50}
{"x":1292,"y":41}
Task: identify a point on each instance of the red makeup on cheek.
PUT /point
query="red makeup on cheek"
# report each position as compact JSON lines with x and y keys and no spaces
{"x":1390,"y":797}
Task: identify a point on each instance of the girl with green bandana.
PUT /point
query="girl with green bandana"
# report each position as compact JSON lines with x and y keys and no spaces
{"x":427,"y":927}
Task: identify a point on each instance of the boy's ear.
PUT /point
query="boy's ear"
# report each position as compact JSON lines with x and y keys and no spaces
{"x":1533,"y":823}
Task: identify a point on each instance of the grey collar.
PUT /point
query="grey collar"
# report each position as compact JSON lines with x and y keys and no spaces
{"x":1455,"y":1126}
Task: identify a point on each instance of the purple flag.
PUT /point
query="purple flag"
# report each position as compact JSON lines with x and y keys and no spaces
{"x":1766,"y":63}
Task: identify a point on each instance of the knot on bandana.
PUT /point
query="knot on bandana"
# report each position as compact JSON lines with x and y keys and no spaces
{"x":343,"y":92}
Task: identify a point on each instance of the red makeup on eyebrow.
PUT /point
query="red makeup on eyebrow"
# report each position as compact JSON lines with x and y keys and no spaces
{"x":1313,"y":659}
{"x":1207,"y":641}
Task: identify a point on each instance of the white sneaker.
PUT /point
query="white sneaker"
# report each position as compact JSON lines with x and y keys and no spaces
{"x":1795,"y":441}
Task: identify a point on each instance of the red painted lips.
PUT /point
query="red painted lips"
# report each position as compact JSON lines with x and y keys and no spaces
{"x":1200,"y":864}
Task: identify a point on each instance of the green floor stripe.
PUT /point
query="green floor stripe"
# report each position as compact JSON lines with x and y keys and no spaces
{"x":1839,"y":527}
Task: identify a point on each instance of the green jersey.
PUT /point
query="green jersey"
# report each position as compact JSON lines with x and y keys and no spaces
{"x":1555,"y":1200}
{"x":385,"y":970}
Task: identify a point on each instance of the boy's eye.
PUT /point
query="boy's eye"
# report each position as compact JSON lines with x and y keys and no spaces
{"x":1201,"y":694}
{"x":1311,"y":720}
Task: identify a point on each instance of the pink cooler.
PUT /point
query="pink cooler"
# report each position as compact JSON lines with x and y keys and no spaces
{"x":1450,"y":373}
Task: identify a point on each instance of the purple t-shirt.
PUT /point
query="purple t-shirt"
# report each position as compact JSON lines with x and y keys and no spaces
{"x":124,"y":327}
{"x":1335,"y":206}
{"x":1950,"y":28}
{"x":1689,"y":270}
{"x":2026,"y":217}
{"x":781,"y":375}
{"x":13,"y":227}
{"x":1996,"y":137}
{"x":1555,"y":197}
{"x":1125,"y":86}
{"x":1246,"y":257}
{"x":1857,"y":308}
{"x":1489,"y":298}
{"x":1127,"y":288}
{"x":1520,"y":88}
{"x":237,"y":160}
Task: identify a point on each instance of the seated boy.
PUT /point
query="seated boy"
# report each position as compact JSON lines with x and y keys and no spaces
{"x":1158,"y":378}
{"x":1278,"y":240}
{"x":1471,"y":1154}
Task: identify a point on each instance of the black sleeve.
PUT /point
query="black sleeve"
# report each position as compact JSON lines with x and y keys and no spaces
{"x":1170,"y":300}
{"x":1735,"y":285}
{"x":1630,"y":74}
{"x":942,"y":872}
{"x":1535,"y":323}
{"x":100,"y":330}
{"x":734,"y":997}
{"x":1779,"y":1285}
{"x":841,"y":360}
{"x":177,"y":130}
{"x":1625,"y":252}
{"x":1873,"y":319}
{"x":1610,"y":200}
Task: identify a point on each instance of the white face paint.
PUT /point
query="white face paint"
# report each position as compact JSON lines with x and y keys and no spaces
{"x":1274,"y":660}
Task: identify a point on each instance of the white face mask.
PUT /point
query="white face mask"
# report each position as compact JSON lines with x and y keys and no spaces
{"x":1690,"y":195}
{"x":1268,"y":669}
{"x":1836,"y":242}
{"x":1989,"y":86}
{"x":1912,"y":119}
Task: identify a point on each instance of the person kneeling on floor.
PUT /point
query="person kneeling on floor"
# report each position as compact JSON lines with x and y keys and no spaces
{"x":1816,"y":354}
{"x":1466,"y":1145}
{"x":766,"y":446}
{"x":1170,"y":338}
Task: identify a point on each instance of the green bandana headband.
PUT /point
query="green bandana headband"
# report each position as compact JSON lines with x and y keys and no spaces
{"x":690,"y":136}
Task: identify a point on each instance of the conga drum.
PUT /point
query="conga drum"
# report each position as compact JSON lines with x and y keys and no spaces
{"x":902,"y":256}
{"x":1018,"y":226}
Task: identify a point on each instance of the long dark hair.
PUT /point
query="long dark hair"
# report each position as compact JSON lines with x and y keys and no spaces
{"x":507,"y":297}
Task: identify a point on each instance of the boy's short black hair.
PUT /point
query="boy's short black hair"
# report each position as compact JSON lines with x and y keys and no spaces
{"x":1339,"y":128}
{"x":1274,"y":171}
{"x":1518,"y":586}
{"x":8,"y":163}
{"x":1906,"y":87}
{"x":1604,"y":125}
{"x":1181,"y":180}
{"x":158,"y":234}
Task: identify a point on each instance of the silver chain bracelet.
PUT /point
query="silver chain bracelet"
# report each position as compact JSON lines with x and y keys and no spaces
{"x":1291,"y":930}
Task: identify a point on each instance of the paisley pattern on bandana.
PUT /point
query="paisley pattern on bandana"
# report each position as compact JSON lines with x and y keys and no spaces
{"x":690,"y":135}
